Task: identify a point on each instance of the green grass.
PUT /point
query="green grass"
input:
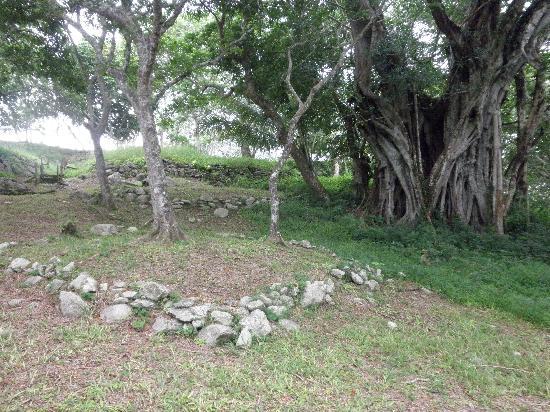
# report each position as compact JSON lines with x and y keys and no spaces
{"x":510,"y":273}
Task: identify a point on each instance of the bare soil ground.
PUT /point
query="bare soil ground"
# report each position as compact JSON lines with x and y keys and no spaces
{"x":441,"y":356}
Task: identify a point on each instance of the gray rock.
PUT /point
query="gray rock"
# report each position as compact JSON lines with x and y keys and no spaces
{"x":392,"y":325}
{"x":143,"y":199}
{"x":255,"y":304}
{"x":240,"y":311}
{"x":198,"y":323}
{"x":119,"y":284}
{"x":245,"y":339}
{"x":84,"y":283}
{"x":221,"y":212}
{"x":267,"y":301}
{"x":288,"y":325}
{"x":201,"y":311}
{"x":205,"y":197}
{"x":306,"y":244}
{"x":357,"y":279}
{"x":55,"y":286}
{"x":216,"y":334}
{"x":153,"y":291}
{"x":104,"y":229}
{"x":250,"y":201}
{"x":372,"y":284}
{"x":278,"y":310}
{"x":337,"y":273}
{"x":116,"y":313}
{"x":120,"y":300}
{"x":104,"y":287}
{"x":317,"y":292}
{"x":223,"y":318}
{"x":115,"y":178}
{"x":72,"y":305}
{"x":129,"y":294}
{"x":163,"y":324}
{"x":54,"y":260}
{"x":69,"y":267}
{"x":12,"y":303}
{"x":257,"y":323}
{"x":32,"y":280}
{"x":245,"y":300}
{"x":6,"y":245}
{"x":183,"y":315}
{"x":19,"y":264}
{"x":5,"y":333}
{"x":142,"y":303}
{"x":132,"y":229}
{"x":184,"y":303}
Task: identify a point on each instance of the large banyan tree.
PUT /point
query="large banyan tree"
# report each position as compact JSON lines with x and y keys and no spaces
{"x":442,"y":156}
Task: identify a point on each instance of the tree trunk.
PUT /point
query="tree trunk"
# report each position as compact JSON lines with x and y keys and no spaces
{"x":165,"y":226}
{"x":246,"y":152}
{"x":106,"y":196}
{"x":306,"y":170}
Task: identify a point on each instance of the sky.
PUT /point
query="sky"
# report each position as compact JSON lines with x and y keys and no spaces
{"x":61,"y":132}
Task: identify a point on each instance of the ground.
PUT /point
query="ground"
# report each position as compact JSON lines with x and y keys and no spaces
{"x":442,"y":355}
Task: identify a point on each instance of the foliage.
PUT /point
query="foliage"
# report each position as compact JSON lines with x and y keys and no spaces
{"x":510,"y":273}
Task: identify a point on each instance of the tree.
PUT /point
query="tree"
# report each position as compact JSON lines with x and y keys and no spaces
{"x":442,"y":155}
{"x":102,"y":110}
{"x":142,"y":24}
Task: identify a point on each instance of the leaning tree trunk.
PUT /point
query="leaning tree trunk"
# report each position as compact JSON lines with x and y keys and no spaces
{"x":106,"y":195}
{"x":165,"y":226}
{"x":308,"y":173}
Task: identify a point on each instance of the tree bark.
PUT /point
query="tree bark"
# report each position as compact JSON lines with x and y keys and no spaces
{"x":246,"y":152}
{"x":165,"y":226}
{"x":106,"y":195}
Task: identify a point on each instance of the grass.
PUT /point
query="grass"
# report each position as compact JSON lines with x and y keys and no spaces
{"x":474,"y":351}
{"x":509,"y":273}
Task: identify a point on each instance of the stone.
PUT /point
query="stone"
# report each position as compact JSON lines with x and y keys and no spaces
{"x":223,"y":318}
{"x":72,"y":305}
{"x":356,"y":278}
{"x":132,"y":229}
{"x":221,"y":212}
{"x":278,"y":310}
{"x":257,"y":323}
{"x":6,"y":245}
{"x":191,"y":219}
{"x":104,"y":229}
{"x":317,"y":292}
{"x":119,"y":284}
{"x":267,"y":301}
{"x":119,"y":300}
{"x":424,"y":290}
{"x":216,"y":334}
{"x":114,"y":178}
{"x":337,"y":273}
{"x":153,"y":291}
{"x":163,"y":324}
{"x":129,"y":294}
{"x":55,"y":285}
{"x":184,"y":303}
{"x":250,"y":201}
{"x":5,"y":332}
{"x":116,"y":313}
{"x":197,"y":323}
{"x":255,"y":304}
{"x":142,"y":303}
{"x":373,"y":284}
{"x":201,"y":311}
{"x":32,"y":280}
{"x":183,"y":315}
{"x":69,"y":267}
{"x":143,"y":199}
{"x":245,"y":300}
{"x":104,"y":287}
{"x":13,"y":303}
{"x":19,"y":264}
{"x":306,"y":244}
{"x":84,"y":283}
{"x":288,"y":325}
{"x":240,"y":311}
{"x":205,"y":197}
{"x":245,"y":339}
{"x":392,"y":325}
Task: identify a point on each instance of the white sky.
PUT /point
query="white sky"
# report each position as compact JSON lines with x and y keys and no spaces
{"x":60,"y":132}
